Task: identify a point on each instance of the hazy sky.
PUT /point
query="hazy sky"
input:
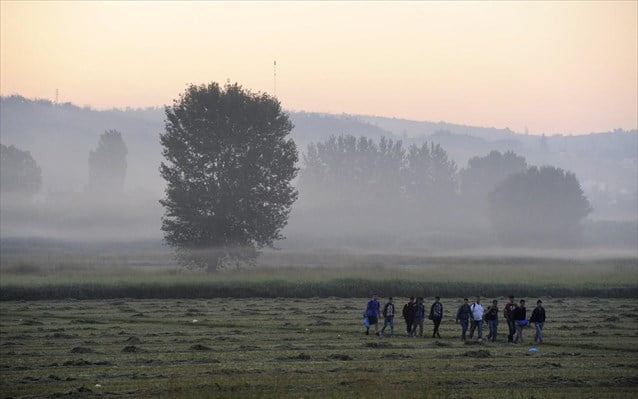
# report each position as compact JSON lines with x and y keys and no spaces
{"x":556,"y":67}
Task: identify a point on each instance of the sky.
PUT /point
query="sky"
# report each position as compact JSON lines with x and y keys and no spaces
{"x":551,"y":67}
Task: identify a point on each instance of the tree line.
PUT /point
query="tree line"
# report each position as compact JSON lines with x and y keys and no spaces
{"x":230,"y":168}
{"x":22,"y":176}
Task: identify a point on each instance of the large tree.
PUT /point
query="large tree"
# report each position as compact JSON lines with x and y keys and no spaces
{"x":538,"y":207}
{"x":229,"y":165}
{"x":107,"y":163}
{"x":481,"y":176}
{"x":20,"y":175}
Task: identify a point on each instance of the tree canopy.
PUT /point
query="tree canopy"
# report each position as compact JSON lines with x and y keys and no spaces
{"x":544,"y":206}
{"x":107,"y":163}
{"x":229,"y":165}
{"x":351,"y":185}
{"x":484,"y":173}
{"x":20,"y":175}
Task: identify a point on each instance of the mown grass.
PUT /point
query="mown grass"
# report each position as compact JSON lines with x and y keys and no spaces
{"x":310,"y":348}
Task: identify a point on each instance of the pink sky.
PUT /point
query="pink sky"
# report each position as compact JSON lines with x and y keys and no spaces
{"x":555,"y":67}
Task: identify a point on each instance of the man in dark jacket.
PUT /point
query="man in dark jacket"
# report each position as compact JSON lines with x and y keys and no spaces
{"x":538,"y":318}
{"x":408,"y":315}
{"x":436,"y":315}
{"x":419,"y":317}
{"x":491,"y":316}
{"x":520,"y":316}
{"x":463,"y":316}
{"x":508,"y":312}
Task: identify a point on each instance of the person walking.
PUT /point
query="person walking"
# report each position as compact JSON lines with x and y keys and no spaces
{"x":388,"y":317}
{"x":477,"y":318}
{"x":491,"y":315}
{"x":463,"y":314}
{"x":408,"y":315}
{"x":538,"y":318}
{"x":372,"y":313}
{"x":520,"y":316}
{"x":419,"y":317}
{"x":436,"y":315}
{"x":508,"y":313}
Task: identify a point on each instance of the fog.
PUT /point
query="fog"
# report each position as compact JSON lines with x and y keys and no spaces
{"x":361,"y":195}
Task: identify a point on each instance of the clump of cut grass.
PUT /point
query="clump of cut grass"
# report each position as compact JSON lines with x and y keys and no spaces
{"x":481,"y":353}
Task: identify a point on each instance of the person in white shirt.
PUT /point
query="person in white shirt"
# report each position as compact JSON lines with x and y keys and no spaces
{"x":477,"y":318}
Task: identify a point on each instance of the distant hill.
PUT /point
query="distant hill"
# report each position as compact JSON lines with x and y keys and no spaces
{"x":412,"y":129}
{"x":61,"y":136}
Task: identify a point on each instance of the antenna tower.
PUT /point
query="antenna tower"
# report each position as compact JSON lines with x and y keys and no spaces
{"x":274,"y":78}
{"x":57,"y":96}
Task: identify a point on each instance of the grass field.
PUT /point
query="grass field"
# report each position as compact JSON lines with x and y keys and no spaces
{"x":305,"y":276}
{"x":303,"y":348}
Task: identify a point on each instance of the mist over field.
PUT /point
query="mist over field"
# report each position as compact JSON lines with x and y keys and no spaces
{"x":255,"y":199}
{"x":332,"y":212}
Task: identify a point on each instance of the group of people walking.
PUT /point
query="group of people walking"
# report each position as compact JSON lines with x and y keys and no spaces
{"x":472,"y":317}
